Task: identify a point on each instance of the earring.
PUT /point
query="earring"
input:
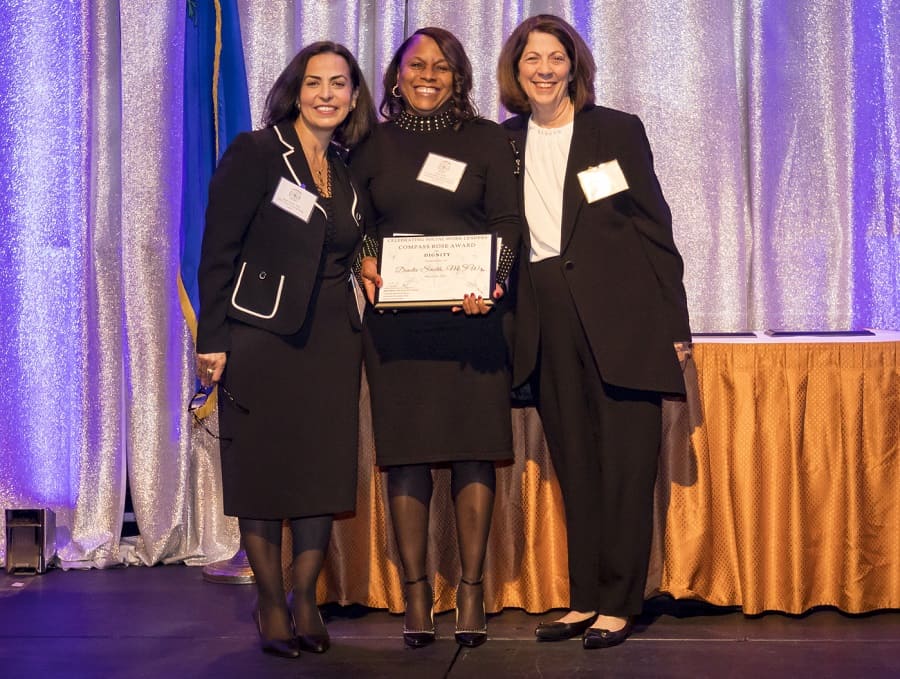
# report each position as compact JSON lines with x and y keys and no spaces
{"x":395,"y":91}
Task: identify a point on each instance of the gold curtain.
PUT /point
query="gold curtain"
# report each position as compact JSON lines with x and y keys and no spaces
{"x":779,"y":489}
{"x":790,"y":495}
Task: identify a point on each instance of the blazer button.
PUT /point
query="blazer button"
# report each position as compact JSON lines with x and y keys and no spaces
{"x":262,"y":275}
{"x":569,"y":265}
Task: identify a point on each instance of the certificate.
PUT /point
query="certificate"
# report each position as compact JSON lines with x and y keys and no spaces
{"x":436,"y":271}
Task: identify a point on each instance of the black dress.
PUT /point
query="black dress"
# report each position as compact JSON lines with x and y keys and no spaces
{"x":295,"y":453}
{"x":439,"y":381}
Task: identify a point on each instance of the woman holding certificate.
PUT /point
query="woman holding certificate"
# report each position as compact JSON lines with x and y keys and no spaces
{"x":439,"y":377}
{"x":279,"y":330}
{"x":600,"y":305}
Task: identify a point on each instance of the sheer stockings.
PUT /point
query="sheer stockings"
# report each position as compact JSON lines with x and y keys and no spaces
{"x":310,"y":538}
{"x":409,"y":497}
{"x":472,"y":487}
{"x":409,"y":491}
{"x":262,"y":541}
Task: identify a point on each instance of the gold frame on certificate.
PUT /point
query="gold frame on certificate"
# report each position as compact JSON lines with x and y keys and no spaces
{"x":436,"y":271}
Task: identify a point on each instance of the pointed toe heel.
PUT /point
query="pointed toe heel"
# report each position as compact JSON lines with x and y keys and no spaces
{"x":413,"y":637}
{"x":314,"y":643}
{"x":283,"y":648}
{"x":471,"y":638}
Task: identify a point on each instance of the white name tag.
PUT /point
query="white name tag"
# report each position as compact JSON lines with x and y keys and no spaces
{"x":602,"y":180}
{"x":441,"y":171}
{"x":294,"y":199}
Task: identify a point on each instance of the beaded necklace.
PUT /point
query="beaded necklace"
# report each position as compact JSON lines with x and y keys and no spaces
{"x":414,"y":123}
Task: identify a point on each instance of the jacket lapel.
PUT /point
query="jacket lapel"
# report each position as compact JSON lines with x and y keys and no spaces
{"x":294,"y":160}
{"x":582,"y":153}
{"x":517,"y":129}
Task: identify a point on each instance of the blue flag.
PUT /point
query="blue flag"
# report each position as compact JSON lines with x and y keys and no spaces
{"x":216,"y":109}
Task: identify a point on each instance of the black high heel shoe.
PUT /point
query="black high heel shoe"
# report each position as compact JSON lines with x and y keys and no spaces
{"x":283,"y":648}
{"x":471,"y":637}
{"x":313,"y":643}
{"x":416,"y":638}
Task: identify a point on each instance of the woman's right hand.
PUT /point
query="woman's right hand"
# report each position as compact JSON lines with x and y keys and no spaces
{"x":684,"y":351}
{"x":370,"y":278}
{"x":210,"y":367}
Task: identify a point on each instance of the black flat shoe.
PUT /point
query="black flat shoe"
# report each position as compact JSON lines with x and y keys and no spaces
{"x":560,"y":631}
{"x":470,"y":637}
{"x":283,"y":648}
{"x":417,"y":638}
{"x":602,"y":638}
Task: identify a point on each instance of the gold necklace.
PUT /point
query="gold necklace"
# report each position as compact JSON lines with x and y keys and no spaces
{"x":321,"y":176}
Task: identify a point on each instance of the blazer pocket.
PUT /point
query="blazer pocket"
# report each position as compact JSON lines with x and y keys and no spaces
{"x":257,"y":292}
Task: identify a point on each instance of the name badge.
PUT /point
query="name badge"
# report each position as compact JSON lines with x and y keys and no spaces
{"x":602,"y":180}
{"x":441,"y":171}
{"x":294,"y":199}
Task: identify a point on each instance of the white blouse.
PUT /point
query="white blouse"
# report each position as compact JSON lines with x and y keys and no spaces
{"x":546,"y":156}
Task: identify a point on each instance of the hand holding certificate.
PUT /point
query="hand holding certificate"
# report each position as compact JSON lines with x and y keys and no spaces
{"x":436,"y":271}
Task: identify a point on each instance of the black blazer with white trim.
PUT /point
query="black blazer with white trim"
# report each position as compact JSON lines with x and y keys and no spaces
{"x":259,"y":262}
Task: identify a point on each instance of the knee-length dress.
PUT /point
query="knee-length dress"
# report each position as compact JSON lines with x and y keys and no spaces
{"x":439,"y":381}
{"x":290,"y":425}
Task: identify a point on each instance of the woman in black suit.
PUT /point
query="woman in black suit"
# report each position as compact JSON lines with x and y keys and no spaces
{"x":600,"y":304}
{"x":279,"y":330}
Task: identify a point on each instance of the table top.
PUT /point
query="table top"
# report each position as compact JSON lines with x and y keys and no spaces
{"x":795,"y":337}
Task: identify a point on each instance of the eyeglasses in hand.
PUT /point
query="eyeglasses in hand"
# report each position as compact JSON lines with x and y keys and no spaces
{"x":199,"y":400}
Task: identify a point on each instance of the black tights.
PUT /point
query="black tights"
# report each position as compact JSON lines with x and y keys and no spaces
{"x":262,"y":541}
{"x":409,"y":491}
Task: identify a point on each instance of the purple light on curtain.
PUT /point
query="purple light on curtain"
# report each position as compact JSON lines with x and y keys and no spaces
{"x":43,"y":194}
{"x":876,"y":197}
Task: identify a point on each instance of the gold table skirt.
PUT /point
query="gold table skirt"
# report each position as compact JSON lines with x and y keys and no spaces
{"x":779,"y":489}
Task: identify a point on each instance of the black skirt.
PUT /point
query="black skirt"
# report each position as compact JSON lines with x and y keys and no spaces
{"x":295,"y":453}
{"x":440,"y":386}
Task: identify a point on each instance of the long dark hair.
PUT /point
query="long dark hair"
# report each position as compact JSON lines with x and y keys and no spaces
{"x":462,"y":105}
{"x":581,"y":87}
{"x":281,"y":103}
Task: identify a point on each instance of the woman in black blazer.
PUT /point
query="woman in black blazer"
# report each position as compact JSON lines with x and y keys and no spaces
{"x":279,"y":330}
{"x":600,"y":304}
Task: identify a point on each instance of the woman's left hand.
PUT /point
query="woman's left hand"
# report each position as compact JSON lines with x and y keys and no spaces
{"x":474,"y":305}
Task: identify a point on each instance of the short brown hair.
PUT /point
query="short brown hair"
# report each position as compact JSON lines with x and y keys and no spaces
{"x":281,"y":103}
{"x":461,"y":67}
{"x":581,"y":87}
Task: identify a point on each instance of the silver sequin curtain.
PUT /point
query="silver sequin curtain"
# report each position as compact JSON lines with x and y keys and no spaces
{"x":776,"y":132}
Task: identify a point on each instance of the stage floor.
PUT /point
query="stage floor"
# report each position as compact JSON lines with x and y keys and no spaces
{"x":167,"y":622}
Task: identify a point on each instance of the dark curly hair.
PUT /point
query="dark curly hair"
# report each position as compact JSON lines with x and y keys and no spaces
{"x":281,"y":103}
{"x":462,"y":105}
